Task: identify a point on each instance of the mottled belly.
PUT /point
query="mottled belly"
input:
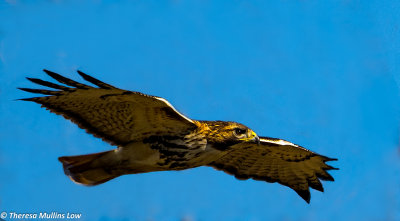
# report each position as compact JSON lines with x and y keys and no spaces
{"x":159,"y":156}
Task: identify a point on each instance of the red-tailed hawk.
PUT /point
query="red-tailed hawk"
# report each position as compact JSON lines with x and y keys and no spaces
{"x":151,"y":135}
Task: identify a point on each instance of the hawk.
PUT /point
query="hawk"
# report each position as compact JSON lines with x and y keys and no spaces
{"x":151,"y":135}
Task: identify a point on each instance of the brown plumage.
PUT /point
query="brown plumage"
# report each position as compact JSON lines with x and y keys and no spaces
{"x":151,"y":135}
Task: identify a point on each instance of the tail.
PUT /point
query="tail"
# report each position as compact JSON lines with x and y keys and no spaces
{"x":91,"y":169}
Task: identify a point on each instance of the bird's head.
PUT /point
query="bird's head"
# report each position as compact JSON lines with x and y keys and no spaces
{"x":225,"y":134}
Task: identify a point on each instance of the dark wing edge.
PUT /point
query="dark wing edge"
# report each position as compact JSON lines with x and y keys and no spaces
{"x":312,"y":182}
{"x":238,"y":169}
{"x":74,"y":85}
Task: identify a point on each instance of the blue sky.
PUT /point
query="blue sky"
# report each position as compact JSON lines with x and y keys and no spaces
{"x":322,"y":74}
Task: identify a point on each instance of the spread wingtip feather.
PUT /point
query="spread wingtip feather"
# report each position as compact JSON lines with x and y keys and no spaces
{"x":48,"y":84}
{"x":40,"y":91}
{"x":305,"y":194}
{"x":95,"y":81}
{"x":65,"y":80}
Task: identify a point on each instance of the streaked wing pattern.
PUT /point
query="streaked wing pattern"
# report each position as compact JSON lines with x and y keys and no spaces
{"x":276,"y":160}
{"x":117,"y":116}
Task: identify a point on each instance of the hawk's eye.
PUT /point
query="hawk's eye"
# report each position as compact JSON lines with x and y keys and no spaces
{"x":239,"y":131}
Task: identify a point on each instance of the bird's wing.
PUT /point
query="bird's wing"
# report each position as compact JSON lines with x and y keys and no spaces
{"x":117,"y":116}
{"x":276,"y":160}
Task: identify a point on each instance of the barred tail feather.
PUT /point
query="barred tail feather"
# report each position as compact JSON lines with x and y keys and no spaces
{"x":91,"y":169}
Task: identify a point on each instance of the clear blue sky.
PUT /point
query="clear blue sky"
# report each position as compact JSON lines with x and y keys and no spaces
{"x":322,"y":75}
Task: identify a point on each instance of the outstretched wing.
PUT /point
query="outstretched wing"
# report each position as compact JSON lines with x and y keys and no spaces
{"x":117,"y":116}
{"x":275,"y":160}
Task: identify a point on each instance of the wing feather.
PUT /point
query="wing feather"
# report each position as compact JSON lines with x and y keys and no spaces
{"x":117,"y":116}
{"x":66,"y":81}
{"x":276,"y":160}
{"x":40,"y":91}
{"x":95,"y":81}
{"x":48,"y":84}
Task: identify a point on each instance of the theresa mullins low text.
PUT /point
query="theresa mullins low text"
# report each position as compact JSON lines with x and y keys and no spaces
{"x":55,"y":215}
{"x":44,"y":215}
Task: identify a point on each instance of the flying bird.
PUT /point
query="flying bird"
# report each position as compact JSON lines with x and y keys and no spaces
{"x":151,"y":135}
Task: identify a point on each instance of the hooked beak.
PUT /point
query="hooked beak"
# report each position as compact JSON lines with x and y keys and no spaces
{"x":255,"y":138}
